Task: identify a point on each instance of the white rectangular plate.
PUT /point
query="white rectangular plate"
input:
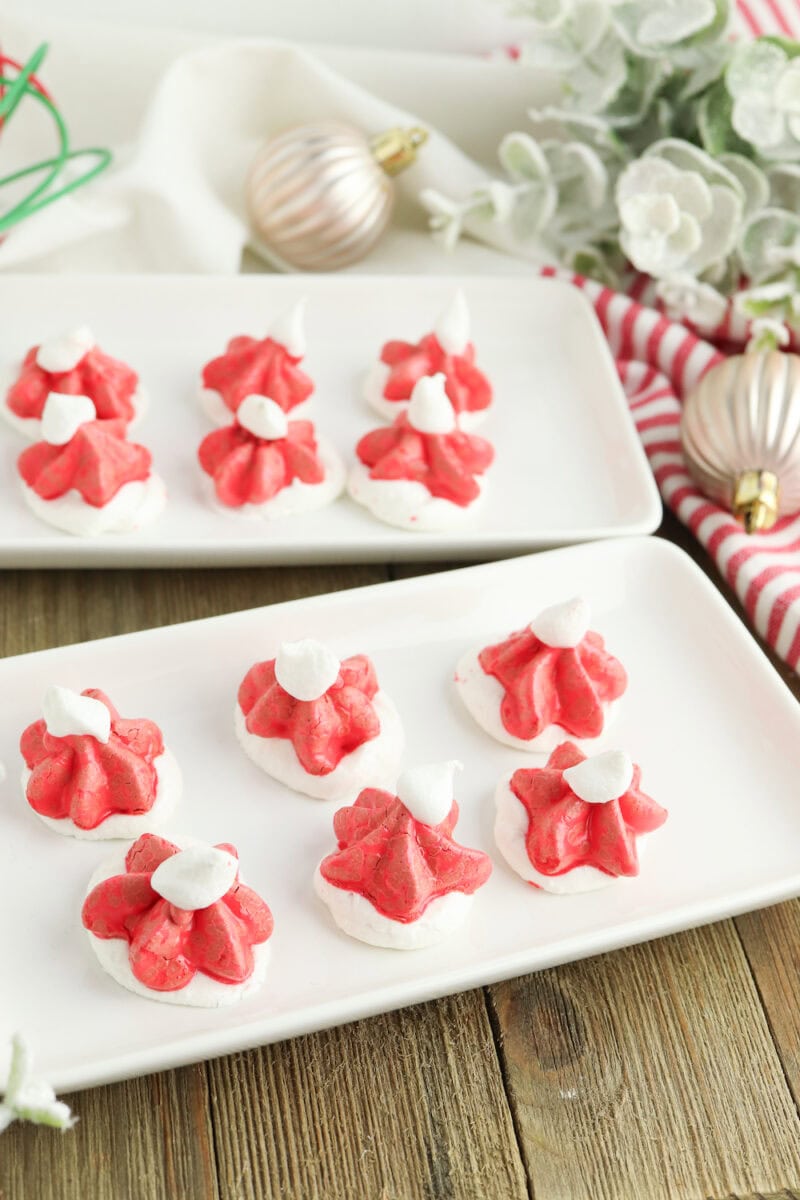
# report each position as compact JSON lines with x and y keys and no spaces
{"x":730,"y":844}
{"x":569,"y":463}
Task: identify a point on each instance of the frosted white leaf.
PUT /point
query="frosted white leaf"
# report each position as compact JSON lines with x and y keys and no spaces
{"x":754,"y":67}
{"x":688,"y":157}
{"x":769,"y":241}
{"x":784,"y":186}
{"x":672,"y":23}
{"x":757,"y":120}
{"x":752,"y":180}
{"x":579,"y":172}
{"x":787,"y":89}
{"x":523,"y":157}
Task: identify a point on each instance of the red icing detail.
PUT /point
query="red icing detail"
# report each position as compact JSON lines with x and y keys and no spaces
{"x":545,"y":685}
{"x":96,"y":462}
{"x":83,"y":779}
{"x":446,"y":463}
{"x":261,"y":368}
{"x":468,"y":388}
{"x":169,"y":945}
{"x":322,"y":731}
{"x":109,"y":384}
{"x":249,"y":470}
{"x":564,"y":832}
{"x":398,"y":863}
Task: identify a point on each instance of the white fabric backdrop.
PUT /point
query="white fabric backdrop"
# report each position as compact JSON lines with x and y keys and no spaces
{"x":184,"y":114}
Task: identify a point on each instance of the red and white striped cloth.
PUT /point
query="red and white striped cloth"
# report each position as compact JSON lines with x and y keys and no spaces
{"x":659,"y":361}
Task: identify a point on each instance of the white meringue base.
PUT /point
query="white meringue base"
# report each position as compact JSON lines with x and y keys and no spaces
{"x":482,"y":695}
{"x":372,"y":391}
{"x":374,"y":764}
{"x":200,"y":992}
{"x":406,"y":503}
{"x":31,"y":427}
{"x":298,"y":497}
{"x":135,"y":505}
{"x":357,"y":917}
{"x":219,"y":414}
{"x":169,"y":788}
{"x":510,"y":833}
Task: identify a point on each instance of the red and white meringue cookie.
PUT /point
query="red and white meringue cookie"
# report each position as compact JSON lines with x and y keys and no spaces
{"x":318,"y":725}
{"x":572,"y":825}
{"x":171,"y":921}
{"x":92,"y":774}
{"x":84,"y":476}
{"x":550,"y":680}
{"x":74,"y":365}
{"x":265,"y":465}
{"x":421,"y":473}
{"x":251,"y":366}
{"x":390,"y":383}
{"x":397,"y":878}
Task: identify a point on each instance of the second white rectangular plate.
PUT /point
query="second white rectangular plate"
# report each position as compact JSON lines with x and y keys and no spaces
{"x":569,"y":464}
{"x":716,"y":732}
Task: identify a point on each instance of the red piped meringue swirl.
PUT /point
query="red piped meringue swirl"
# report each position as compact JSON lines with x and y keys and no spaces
{"x":86,"y":780}
{"x":168,"y":946}
{"x":249,"y":470}
{"x":397,"y":863}
{"x":322,"y":731}
{"x":445,"y":463}
{"x":546,"y":685}
{"x":565,"y":832}
{"x":96,"y":462}
{"x":253,"y":367}
{"x":468,"y":388}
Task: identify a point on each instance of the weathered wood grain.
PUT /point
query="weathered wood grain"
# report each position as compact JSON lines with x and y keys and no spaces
{"x":407,"y":1106}
{"x":148,"y":1139}
{"x":53,"y":608}
{"x":771,"y":941}
{"x":649,"y":1072}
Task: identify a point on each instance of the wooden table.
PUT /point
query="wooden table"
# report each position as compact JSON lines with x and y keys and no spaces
{"x":670,"y":1071}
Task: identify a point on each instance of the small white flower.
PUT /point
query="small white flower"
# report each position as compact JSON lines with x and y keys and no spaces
{"x":28,"y":1100}
{"x":690,"y":299}
{"x":764,"y":84}
{"x":673,"y":220}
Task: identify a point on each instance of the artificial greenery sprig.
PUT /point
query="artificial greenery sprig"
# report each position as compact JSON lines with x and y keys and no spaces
{"x":674,"y":149}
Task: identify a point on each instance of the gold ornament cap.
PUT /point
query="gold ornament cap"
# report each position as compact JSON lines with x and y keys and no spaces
{"x":396,"y":149}
{"x":755,"y":500}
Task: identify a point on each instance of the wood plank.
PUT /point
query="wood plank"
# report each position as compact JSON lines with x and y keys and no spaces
{"x":148,"y":1139}
{"x":771,"y":941}
{"x":53,"y":608}
{"x":648,"y":1072}
{"x":406,"y":1106}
